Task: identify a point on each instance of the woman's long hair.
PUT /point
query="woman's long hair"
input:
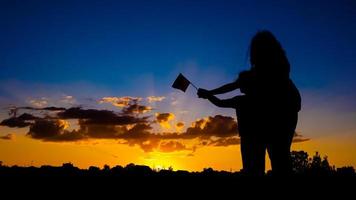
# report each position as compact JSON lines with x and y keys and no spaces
{"x":267,"y":57}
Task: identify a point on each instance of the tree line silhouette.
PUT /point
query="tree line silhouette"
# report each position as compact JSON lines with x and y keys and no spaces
{"x":303,"y":165}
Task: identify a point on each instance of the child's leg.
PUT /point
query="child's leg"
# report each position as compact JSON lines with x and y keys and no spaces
{"x":253,"y":156}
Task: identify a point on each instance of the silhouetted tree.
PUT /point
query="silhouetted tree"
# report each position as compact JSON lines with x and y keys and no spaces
{"x":315,"y":165}
{"x":94,"y":170}
{"x":299,"y":161}
{"x":303,"y":165}
{"x":346,"y":171}
{"x":106,"y":168}
{"x":319,"y":166}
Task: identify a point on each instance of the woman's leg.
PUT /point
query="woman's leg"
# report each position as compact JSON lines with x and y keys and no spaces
{"x":279,"y":152}
{"x":279,"y":144}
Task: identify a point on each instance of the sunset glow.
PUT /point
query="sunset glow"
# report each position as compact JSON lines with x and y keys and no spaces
{"x":90,"y":83}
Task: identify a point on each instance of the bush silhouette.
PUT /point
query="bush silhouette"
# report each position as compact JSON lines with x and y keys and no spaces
{"x":303,"y":165}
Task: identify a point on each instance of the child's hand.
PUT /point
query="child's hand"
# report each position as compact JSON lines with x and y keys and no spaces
{"x":203,"y":93}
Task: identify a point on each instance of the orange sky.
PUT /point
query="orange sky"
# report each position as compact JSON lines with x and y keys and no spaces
{"x":24,"y":151}
{"x":329,"y":128}
{"x":95,"y":80}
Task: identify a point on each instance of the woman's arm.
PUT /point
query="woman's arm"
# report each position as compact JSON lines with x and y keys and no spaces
{"x":223,"y":103}
{"x":225,"y":88}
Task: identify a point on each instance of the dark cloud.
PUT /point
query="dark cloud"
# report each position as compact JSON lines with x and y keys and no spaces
{"x":26,"y":116}
{"x":180,"y":124}
{"x":218,"y":126}
{"x":18,"y":122}
{"x":53,"y":130}
{"x":163,"y":117}
{"x":146,"y":145}
{"x":98,"y":130}
{"x":172,"y":146}
{"x":141,"y":136}
{"x":80,"y":113}
{"x":130,"y":129}
{"x":225,"y":141}
{"x":7,"y":137}
{"x":299,"y":138}
{"x":116,"y":120}
{"x":14,"y":122}
{"x":295,"y":140}
{"x":213,"y":131}
{"x":105,"y":117}
{"x":138,"y":131}
{"x":51,"y":108}
{"x":127,"y":132}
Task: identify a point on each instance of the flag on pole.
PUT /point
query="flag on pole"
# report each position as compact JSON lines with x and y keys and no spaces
{"x":181,"y":83}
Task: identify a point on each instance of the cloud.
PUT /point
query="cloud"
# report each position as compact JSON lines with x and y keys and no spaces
{"x":103,"y":131}
{"x":172,"y":146}
{"x":218,"y":126}
{"x":26,"y":116}
{"x":225,"y":141}
{"x":80,"y":113}
{"x":211,"y":131}
{"x":152,"y":99}
{"x":140,"y":135}
{"x":67,"y":99}
{"x":174,"y":102}
{"x":18,"y":122}
{"x":41,"y":102}
{"x":13,"y":110}
{"x":51,"y":108}
{"x":127,"y":127}
{"x":164,"y":118}
{"x":179,"y":126}
{"x":53,"y":130}
{"x":94,"y":116}
{"x":295,"y":140}
{"x":120,"y":101}
{"x":46,"y":128}
{"x":7,"y":137}
{"x":299,"y":138}
{"x":139,"y":131}
{"x":129,"y":104}
{"x":88,"y":116}
{"x":136,"y":109}
{"x":145,"y":145}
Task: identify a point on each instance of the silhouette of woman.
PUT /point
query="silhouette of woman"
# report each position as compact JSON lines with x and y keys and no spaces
{"x":267,"y":113}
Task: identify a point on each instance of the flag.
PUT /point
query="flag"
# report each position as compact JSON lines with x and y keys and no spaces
{"x":181,"y":83}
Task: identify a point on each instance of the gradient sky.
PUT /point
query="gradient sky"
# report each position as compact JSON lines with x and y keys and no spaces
{"x":76,"y":53}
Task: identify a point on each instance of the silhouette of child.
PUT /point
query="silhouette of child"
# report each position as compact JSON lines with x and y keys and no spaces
{"x":250,"y":144}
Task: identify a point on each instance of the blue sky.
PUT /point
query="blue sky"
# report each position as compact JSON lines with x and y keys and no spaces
{"x":109,"y":42}
{"x":91,"y":49}
{"x":81,"y":52}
